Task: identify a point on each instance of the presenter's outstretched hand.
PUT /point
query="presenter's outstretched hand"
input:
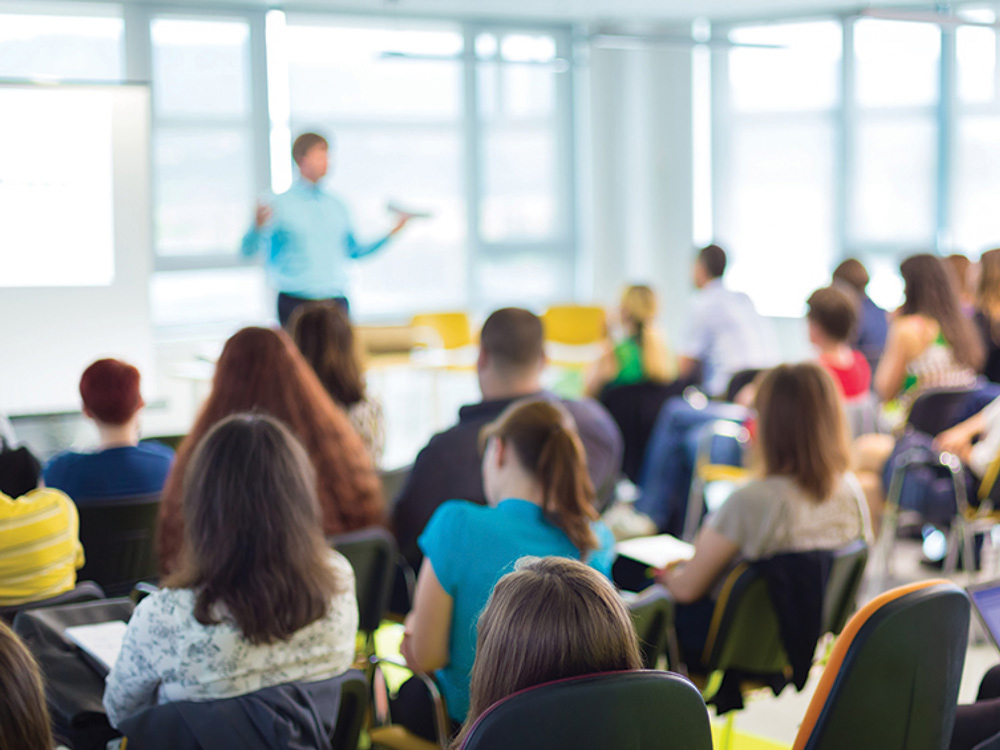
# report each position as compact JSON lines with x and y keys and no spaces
{"x":401,"y":222}
{"x":262,"y":215}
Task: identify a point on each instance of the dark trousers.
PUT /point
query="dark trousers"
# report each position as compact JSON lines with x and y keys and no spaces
{"x":979,"y":721}
{"x":288,"y":303}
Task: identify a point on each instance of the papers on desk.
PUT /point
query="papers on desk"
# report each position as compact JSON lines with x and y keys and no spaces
{"x":655,"y":551}
{"x":101,"y":641}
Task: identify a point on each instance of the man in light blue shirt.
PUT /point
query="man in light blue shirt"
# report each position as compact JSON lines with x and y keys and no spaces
{"x":724,"y":332}
{"x":305,"y":235}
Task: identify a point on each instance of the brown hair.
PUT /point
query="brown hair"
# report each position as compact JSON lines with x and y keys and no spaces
{"x":959,"y":265}
{"x":835,"y":311}
{"x":323,"y":333}
{"x":988,"y":291}
{"x":543,"y":436}
{"x":260,"y":369}
{"x":931,"y":291}
{"x":24,"y":717}
{"x":513,"y":338}
{"x":852,"y":273}
{"x":550,"y":619}
{"x":305,"y":142}
{"x":252,"y":535}
{"x":110,"y":391}
{"x":713,"y":259}
{"x":639,"y":307}
{"x":801,"y":430}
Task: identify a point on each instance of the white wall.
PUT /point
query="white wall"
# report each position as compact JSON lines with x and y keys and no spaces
{"x":49,"y":335}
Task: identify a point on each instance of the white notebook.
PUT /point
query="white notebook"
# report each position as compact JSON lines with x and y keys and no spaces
{"x":655,"y":551}
{"x":101,"y":641}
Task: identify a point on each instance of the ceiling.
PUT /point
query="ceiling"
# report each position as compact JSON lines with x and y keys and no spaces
{"x":581,"y":10}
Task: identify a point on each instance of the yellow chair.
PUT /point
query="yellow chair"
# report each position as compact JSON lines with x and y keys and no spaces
{"x":448,"y":330}
{"x":574,"y":325}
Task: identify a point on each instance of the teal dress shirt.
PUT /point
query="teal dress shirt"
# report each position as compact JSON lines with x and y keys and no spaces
{"x":308,"y":243}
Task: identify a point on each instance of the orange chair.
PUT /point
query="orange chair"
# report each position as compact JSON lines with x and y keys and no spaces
{"x":893,"y":676}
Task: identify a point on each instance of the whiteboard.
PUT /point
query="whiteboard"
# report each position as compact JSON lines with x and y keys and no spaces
{"x":75,"y":238}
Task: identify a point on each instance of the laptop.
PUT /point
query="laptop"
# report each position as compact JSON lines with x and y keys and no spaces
{"x":986,"y":604}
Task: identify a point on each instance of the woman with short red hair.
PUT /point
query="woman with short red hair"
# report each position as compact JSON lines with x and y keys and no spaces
{"x":261,"y":370}
{"x":121,"y":466}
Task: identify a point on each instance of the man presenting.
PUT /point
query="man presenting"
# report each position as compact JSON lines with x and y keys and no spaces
{"x":306,"y":236}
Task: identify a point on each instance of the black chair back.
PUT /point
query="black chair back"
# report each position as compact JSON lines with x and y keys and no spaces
{"x":87,"y":591}
{"x":652,"y":613}
{"x":842,"y":586}
{"x":635,"y":408}
{"x":353,"y":710}
{"x":897,"y":683}
{"x":935,"y":411}
{"x":119,"y":541}
{"x":372,"y":553}
{"x":634,"y":710}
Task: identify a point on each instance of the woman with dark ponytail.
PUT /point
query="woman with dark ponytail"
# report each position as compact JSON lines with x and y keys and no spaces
{"x":540,"y":504}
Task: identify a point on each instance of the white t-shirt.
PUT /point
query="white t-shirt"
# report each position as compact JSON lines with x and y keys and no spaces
{"x":167,"y":655}
{"x":726,"y":334}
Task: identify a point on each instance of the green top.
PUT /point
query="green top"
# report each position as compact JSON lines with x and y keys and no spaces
{"x":628,"y":353}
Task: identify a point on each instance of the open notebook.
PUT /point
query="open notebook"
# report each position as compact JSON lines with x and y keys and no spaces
{"x":655,"y":551}
{"x":101,"y":642}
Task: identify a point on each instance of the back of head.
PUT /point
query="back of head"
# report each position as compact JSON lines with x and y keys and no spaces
{"x":639,"y":313}
{"x":988,"y":290}
{"x":931,"y":291}
{"x":639,"y":304}
{"x":252,"y":530}
{"x":801,"y":429}
{"x":835,"y":311}
{"x":24,"y":717}
{"x":712,"y":258}
{"x":852,"y":273}
{"x":552,"y":618}
{"x":323,"y":333}
{"x":20,"y":471}
{"x":543,"y":436}
{"x":513,"y":340}
{"x":959,"y":266}
{"x":110,"y":391}
{"x":261,"y":369}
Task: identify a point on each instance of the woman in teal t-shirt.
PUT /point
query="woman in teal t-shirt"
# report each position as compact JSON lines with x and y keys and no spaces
{"x":540,"y":504}
{"x":641,"y":355}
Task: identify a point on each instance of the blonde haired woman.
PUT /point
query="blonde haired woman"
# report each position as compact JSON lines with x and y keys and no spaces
{"x":642,"y":355}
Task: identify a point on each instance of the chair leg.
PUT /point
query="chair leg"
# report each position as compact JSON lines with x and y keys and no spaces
{"x":726,"y":740}
{"x":955,"y":539}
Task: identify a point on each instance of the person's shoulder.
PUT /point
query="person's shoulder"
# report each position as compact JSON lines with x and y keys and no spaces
{"x":459,"y":511}
{"x":41,"y":498}
{"x":65,"y":460}
{"x":156,"y":449}
{"x":167,"y":605}
{"x":340,"y":564}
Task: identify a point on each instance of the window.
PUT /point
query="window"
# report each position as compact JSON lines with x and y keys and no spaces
{"x":775,"y":199}
{"x":893,"y":199}
{"x":976,"y":152}
{"x":76,"y":44}
{"x":203,"y":136}
{"x":485,"y":155}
